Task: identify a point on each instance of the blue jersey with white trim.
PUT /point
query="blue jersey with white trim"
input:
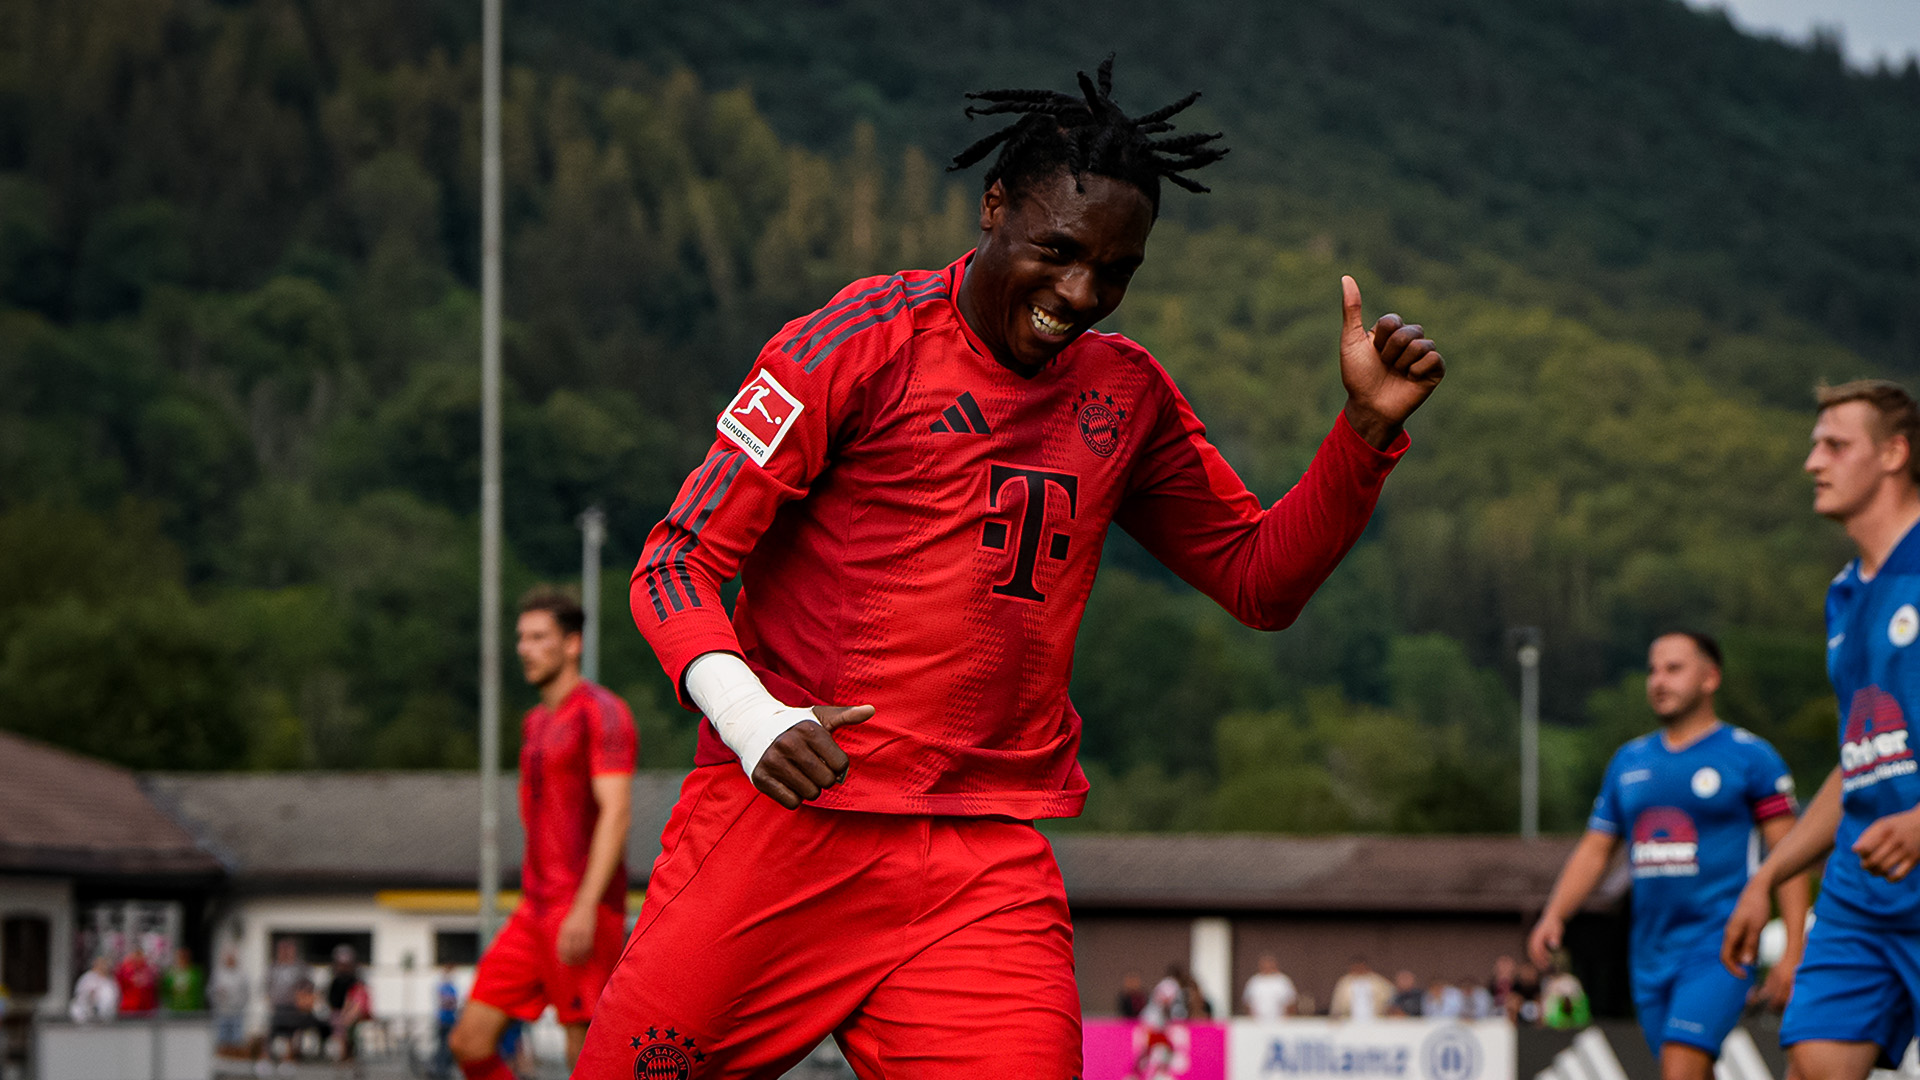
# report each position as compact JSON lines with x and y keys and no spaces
{"x":1688,"y":817}
{"x":1872,"y":625}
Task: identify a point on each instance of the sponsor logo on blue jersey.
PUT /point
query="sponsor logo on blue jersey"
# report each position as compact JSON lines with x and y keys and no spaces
{"x":1873,"y":745}
{"x":1665,"y":843}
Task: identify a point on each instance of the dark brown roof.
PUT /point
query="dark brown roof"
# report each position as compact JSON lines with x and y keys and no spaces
{"x":1242,"y":871}
{"x":63,"y":814}
{"x":373,"y":829}
{"x":421,"y":829}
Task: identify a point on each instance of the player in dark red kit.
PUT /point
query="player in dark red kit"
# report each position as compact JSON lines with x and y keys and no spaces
{"x":577,"y":750}
{"x":914,"y":485}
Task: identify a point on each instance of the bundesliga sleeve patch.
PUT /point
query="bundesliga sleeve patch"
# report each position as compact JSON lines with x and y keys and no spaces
{"x":760,"y":416}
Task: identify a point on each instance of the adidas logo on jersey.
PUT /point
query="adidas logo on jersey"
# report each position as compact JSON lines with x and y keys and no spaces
{"x":963,"y":417}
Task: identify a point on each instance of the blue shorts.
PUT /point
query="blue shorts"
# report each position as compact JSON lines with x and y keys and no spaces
{"x":1689,"y":998}
{"x":1856,"y":985}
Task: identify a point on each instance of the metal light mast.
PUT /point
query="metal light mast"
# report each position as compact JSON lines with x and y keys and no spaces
{"x":490,"y":471}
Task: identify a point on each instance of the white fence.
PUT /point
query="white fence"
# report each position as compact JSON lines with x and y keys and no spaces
{"x":157,"y":1048}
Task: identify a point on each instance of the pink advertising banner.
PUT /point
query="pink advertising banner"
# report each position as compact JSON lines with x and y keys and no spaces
{"x":1127,"y":1050}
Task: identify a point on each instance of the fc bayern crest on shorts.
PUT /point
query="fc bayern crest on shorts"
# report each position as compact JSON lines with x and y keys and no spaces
{"x":665,"y":1054}
{"x":1099,"y":420}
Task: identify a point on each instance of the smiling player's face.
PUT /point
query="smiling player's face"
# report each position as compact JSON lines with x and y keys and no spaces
{"x":1052,"y":262}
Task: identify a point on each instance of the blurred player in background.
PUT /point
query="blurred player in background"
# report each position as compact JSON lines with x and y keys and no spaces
{"x":1859,"y":986}
{"x":914,"y":485}
{"x":577,"y":752}
{"x":1687,"y":801}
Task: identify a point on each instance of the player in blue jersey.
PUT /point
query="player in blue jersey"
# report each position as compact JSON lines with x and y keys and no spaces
{"x":1691,"y":802}
{"x":1858,"y":989}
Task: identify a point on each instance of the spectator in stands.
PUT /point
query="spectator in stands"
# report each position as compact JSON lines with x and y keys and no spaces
{"x":1361,"y":994}
{"x":1269,"y":995}
{"x":290,"y":999}
{"x":1443,"y":1001}
{"x":1133,"y":996}
{"x":1167,"y":1002}
{"x":448,"y":1012}
{"x":1166,"y":1006}
{"x":1407,"y":999}
{"x":1523,"y":1004}
{"x":183,"y":987}
{"x":1198,"y":1007}
{"x":228,"y":996}
{"x":348,"y":1002}
{"x":96,"y":996}
{"x":139,"y":982}
{"x":1479,"y":1001}
{"x":1502,"y":983}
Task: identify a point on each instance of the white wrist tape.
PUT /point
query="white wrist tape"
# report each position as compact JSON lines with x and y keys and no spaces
{"x":746,"y":717}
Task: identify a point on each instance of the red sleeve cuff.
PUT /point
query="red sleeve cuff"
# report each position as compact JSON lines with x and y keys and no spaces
{"x":678,"y":648}
{"x":1350,"y":441}
{"x":1772,"y":806}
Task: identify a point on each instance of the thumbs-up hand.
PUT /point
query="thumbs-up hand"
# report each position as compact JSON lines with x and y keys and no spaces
{"x":1388,"y":371}
{"x":805,"y":761}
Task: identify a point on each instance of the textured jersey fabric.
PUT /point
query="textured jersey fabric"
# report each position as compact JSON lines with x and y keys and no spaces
{"x":928,"y":946}
{"x":1871,"y":628}
{"x":561,"y":751}
{"x":916,"y":527}
{"x":1688,"y":817}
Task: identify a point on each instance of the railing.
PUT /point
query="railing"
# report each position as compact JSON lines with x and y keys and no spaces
{"x":160,"y":1046}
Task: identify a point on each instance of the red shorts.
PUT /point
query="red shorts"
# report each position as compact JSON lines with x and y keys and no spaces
{"x":928,"y":946}
{"x":521,"y":974}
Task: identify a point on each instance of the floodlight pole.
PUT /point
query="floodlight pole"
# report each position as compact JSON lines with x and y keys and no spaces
{"x":593,"y":534}
{"x":1528,"y":639}
{"x":489,"y":471}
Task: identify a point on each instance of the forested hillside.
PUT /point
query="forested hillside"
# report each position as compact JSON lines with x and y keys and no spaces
{"x":239,"y":382}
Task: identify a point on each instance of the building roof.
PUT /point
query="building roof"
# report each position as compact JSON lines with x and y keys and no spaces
{"x":67,"y":815}
{"x":421,"y":829}
{"x":1492,"y":875}
{"x":372,"y":829}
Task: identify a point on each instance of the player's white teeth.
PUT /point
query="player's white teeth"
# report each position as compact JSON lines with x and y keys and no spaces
{"x":1047,"y":324}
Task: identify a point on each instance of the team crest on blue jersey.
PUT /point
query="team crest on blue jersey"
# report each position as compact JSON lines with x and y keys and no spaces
{"x":665,"y":1054}
{"x":1706,"y":782}
{"x":1666,"y":843}
{"x":1099,"y":421}
{"x":1904,"y":627}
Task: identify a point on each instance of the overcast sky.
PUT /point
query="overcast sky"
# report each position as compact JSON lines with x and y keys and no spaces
{"x":1872,"y":29}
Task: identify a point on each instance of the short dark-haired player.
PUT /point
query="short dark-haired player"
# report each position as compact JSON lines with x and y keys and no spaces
{"x":1858,"y":990}
{"x":1691,"y":802}
{"x":914,"y":484}
{"x":577,"y":752}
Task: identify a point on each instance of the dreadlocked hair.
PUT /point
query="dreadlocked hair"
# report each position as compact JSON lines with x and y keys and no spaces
{"x":1087,"y":134}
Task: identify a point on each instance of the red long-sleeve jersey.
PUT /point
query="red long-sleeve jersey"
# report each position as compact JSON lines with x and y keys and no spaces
{"x":561,"y":751}
{"x":917,"y":526}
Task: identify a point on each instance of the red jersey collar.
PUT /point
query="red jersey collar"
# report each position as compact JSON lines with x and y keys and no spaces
{"x":955,"y":274}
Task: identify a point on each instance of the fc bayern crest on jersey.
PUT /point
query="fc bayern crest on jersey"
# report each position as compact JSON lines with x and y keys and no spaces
{"x":1099,"y":421}
{"x":665,"y":1054}
{"x":1904,"y":627}
{"x":759,"y":416}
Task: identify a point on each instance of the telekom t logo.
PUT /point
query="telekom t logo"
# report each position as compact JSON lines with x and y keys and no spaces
{"x":1031,"y":526}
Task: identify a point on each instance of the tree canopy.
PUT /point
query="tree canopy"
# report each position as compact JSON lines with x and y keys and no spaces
{"x":238,"y":328}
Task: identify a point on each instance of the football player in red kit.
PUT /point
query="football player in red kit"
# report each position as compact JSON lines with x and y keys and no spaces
{"x":914,"y":484}
{"x":577,"y":750}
